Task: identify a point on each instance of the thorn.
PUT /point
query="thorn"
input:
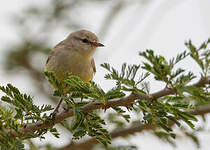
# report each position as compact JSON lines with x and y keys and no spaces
{"x":54,"y":113}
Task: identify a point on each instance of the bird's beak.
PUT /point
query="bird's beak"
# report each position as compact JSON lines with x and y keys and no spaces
{"x":97,"y":44}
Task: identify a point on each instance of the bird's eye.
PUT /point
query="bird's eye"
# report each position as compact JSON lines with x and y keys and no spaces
{"x":85,"y":41}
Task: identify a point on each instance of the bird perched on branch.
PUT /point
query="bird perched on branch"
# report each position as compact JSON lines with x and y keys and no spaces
{"x":74,"y":55}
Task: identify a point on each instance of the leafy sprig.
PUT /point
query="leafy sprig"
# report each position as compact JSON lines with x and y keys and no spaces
{"x":161,"y":111}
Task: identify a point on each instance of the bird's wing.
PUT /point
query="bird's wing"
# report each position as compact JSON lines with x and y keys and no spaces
{"x":93,"y":65}
{"x":52,"y":53}
{"x":49,"y":56}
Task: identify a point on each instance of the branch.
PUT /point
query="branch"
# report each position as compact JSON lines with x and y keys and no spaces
{"x":126,"y":101}
{"x":88,"y":145}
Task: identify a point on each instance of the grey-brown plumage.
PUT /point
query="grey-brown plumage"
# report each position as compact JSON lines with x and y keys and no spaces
{"x":74,"y":55}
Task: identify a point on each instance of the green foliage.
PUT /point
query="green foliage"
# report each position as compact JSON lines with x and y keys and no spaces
{"x":126,"y":76}
{"x":54,"y":132}
{"x":116,"y":120}
{"x":80,"y":89}
{"x":194,"y":138}
{"x":203,"y":60}
{"x":164,"y":70}
{"x":20,"y":112}
{"x":78,"y":118}
{"x":90,"y":124}
{"x":24,"y":107}
{"x":126,"y":80}
{"x":121,"y":112}
{"x":11,"y":144}
{"x":167,"y":108}
{"x":160,"y":67}
{"x":8,"y":122}
{"x":166,"y":136}
{"x":91,"y":90}
{"x":162,"y":112}
{"x":94,"y":125}
{"x":55,"y":82}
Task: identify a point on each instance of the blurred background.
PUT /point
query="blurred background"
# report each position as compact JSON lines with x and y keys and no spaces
{"x":29,"y":29}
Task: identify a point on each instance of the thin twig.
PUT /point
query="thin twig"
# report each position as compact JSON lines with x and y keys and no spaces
{"x":56,"y":109}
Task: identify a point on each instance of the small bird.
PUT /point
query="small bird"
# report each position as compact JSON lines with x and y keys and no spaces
{"x":74,"y":55}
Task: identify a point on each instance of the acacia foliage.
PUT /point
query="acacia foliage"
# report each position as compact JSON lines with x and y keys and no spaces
{"x":17,"y":109}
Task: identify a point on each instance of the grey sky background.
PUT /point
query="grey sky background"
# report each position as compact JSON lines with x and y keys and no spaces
{"x":163,"y":26}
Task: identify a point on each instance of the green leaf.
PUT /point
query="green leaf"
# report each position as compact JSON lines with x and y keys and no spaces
{"x":78,"y":118}
{"x":195,"y":54}
{"x":54,"y":132}
{"x":174,"y":120}
{"x":194,"y":138}
{"x":79,"y":133}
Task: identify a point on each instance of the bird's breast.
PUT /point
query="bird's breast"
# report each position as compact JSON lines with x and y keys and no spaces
{"x":73,"y":63}
{"x":81,"y":68}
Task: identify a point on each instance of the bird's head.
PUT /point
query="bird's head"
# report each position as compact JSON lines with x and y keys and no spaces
{"x":83,"y":41}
